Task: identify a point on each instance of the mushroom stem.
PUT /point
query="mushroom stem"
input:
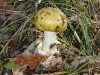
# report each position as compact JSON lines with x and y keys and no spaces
{"x":49,"y":42}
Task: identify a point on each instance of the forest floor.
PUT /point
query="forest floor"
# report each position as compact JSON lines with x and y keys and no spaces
{"x":80,"y":43}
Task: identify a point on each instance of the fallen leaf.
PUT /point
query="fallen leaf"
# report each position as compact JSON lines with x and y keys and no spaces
{"x":22,"y":68}
{"x":28,"y":60}
{"x":11,"y":65}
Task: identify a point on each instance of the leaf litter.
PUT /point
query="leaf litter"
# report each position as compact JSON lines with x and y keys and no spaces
{"x":74,"y":60}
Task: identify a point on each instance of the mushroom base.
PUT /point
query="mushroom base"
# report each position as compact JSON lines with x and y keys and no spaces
{"x":53,"y":60}
{"x":49,"y":48}
{"x":47,"y":53}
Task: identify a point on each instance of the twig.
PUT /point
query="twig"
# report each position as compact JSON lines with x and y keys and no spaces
{"x":36,"y":5}
{"x":5,"y":10}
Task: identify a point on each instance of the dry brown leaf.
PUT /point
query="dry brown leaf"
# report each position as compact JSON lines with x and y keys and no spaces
{"x":22,"y":68}
{"x":28,"y":60}
{"x":20,"y":57}
{"x":32,"y":64}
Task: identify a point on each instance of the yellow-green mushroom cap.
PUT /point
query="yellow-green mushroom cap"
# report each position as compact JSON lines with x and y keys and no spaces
{"x":50,"y":19}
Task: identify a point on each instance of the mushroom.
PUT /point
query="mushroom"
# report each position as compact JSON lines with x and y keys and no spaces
{"x":50,"y":20}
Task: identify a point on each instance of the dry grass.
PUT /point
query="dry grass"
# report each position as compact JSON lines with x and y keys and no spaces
{"x":80,"y":42}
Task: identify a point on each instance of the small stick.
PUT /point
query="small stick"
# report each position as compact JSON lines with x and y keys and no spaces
{"x":36,"y":5}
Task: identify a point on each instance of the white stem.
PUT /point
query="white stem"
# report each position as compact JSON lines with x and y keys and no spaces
{"x":49,"y":42}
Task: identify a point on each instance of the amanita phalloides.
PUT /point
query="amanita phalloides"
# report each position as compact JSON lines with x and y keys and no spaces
{"x":50,"y":20}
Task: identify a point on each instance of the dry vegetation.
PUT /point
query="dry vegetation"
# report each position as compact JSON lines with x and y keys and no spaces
{"x":80,"y":42}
